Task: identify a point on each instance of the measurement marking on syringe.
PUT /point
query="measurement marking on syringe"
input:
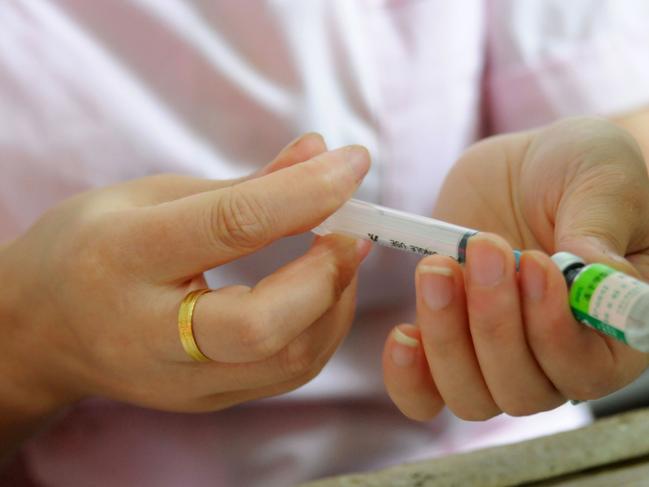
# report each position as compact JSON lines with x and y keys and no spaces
{"x":398,"y":244}
{"x":397,"y":230}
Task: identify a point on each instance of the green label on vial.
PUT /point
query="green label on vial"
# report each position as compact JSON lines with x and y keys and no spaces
{"x":584,"y":287}
{"x":593,"y":322}
{"x":585,"y":284}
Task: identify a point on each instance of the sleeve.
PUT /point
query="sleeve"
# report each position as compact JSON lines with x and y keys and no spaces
{"x":548,"y":59}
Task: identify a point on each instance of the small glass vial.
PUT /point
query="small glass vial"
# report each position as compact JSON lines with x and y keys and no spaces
{"x":606,"y":299}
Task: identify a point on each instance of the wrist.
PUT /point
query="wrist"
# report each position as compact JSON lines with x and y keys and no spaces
{"x":32,"y":388}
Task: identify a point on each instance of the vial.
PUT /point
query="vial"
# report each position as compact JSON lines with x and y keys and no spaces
{"x":607,"y":300}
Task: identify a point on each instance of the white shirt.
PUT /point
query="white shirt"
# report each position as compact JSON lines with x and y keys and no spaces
{"x":93,"y":93}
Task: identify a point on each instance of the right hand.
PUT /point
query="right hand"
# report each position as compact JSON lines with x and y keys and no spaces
{"x":96,"y":285}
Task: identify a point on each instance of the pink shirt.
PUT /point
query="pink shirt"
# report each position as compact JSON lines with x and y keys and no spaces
{"x":92,"y":93}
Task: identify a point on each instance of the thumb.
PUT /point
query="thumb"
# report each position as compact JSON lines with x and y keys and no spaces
{"x":602,"y":216}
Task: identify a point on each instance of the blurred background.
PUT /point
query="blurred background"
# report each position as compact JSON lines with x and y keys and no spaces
{"x":634,"y":396}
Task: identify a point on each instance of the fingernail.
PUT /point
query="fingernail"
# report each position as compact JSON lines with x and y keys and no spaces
{"x":313,"y":137}
{"x":359,"y":160}
{"x":295,"y":141}
{"x":404,"y":350}
{"x":436,"y":284}
{"x":533,"y":278}
{"x":486,"y":261}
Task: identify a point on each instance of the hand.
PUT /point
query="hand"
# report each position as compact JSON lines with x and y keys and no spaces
{"x":96,"y":285}
{"x":488,"y":340}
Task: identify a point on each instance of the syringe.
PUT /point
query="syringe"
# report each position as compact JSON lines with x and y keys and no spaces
{"x":599,"y":296}
{"x":399,"y":230}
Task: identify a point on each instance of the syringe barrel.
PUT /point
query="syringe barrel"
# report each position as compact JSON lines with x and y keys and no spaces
{"x":397,"y":229}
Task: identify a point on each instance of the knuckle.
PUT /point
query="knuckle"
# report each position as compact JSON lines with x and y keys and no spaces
{"x":302,"y":359}
{"x":255,"y":334}
{"x":493,"y":329}
{"x":239,"y":220}
{"x":549,"y":334}
{"x":93,"y":258}
{"x":442,"y":340}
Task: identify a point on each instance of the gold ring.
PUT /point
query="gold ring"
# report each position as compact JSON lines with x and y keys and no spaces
{"x":185,"y":314}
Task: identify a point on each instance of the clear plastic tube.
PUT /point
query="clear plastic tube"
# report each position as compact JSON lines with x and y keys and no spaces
{"x":397,"y":229}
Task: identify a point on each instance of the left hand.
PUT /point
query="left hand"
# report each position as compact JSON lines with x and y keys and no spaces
{"x":490,"y":340}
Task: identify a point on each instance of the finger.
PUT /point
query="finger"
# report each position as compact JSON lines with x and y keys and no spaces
{"x":182,"y":238}
{"x":301,"y":149}
{"x":295,"y":365}
{"x":580,"y":362}
{"x":304,"y":357}
{"x":517,"y":383}
{"x":157,"y":189}
{"x":406,"y":375}
{"x":445,"y":334}
{"x":255,"y":325}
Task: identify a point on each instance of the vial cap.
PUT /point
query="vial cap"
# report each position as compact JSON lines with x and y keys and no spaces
{"x":566,"y":260}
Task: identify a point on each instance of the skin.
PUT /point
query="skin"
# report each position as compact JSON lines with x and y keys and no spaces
{"x":488,"y":340}
{"x":96,"y":284}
